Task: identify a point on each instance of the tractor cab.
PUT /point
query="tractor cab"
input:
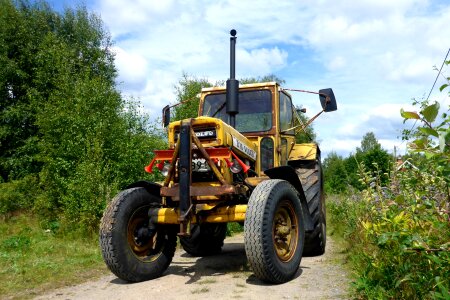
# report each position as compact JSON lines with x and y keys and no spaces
{"x":267,"y":117}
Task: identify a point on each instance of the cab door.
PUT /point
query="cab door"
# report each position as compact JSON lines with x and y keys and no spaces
{"x":286,"y":122}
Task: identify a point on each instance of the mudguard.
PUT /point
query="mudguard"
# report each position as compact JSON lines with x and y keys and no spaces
{"x":288,"y":173}
{"x":151,"y":187}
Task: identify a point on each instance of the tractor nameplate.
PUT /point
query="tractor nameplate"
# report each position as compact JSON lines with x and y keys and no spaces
{"x":243,"y":148}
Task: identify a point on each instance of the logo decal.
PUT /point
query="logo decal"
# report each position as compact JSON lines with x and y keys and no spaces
{"x":243,"y":148}
{"x":207,"y":133}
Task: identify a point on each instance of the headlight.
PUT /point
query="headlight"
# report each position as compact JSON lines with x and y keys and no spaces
{"x":165,"y":169}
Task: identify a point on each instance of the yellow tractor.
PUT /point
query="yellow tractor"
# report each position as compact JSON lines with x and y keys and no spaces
{"x":236,"y":162}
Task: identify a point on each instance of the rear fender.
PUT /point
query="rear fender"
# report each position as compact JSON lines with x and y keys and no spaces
{"x":307,"y":151}
{"x":288,"y":173}
{"x":151,"y":187}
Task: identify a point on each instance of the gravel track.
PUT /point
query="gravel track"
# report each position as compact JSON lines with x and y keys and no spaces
{"x":223,"y":276}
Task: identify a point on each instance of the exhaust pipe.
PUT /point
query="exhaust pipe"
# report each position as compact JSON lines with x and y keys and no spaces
{"x":232,"y":83}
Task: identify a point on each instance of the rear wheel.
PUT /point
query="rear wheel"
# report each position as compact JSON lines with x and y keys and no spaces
{"x":206,"y":239}
{"x":274,"y":231}
{"x":130,"y":249}
{"x":310,"y":175}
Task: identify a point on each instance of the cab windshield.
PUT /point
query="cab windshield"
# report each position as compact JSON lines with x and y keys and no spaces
{"x":255,"y":110}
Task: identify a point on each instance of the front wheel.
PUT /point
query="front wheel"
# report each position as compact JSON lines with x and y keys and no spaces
{"x":274,"y":231}
{"x":130,"y":249}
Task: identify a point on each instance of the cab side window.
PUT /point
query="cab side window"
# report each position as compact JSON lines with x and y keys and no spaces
{"x":286,"y":113}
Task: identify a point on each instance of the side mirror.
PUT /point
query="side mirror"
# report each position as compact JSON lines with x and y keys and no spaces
{"x":327,"y":100}
{"x":166,"y":115}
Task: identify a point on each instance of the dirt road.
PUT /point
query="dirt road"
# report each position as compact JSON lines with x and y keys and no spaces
{"x":224,"y":276}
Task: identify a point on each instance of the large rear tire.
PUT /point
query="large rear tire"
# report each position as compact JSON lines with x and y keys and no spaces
{"x":310,"y":175}
{"x":206,"y":239}
{"x":128,"y":249}
{"x":274,"y":231}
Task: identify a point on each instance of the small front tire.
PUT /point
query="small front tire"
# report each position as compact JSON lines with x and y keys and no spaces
{"x":128,"y":249}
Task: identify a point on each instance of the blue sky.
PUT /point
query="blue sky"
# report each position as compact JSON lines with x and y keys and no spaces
{"x":376,"y":54}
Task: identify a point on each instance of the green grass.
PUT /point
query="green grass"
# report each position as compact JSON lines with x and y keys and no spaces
{"x":34,"y":259}
{"x":234,"y":228}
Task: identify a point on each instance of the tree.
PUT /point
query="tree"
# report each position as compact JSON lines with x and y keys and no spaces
{"x":368,"y":142}
{"x":376,"y":160}
{"x":62,"y":121}
{"x":187,"y":91}
{"x":20,"y":33}
{"x":335,"y":174}
{"x":307,"y":135}
{"x":266,"y":78}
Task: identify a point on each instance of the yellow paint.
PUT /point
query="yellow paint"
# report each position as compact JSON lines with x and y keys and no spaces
{"x":224,"y":135}
{"x":285,"y":148}
{"x":235,"y":213}
{"x":304,"y":152}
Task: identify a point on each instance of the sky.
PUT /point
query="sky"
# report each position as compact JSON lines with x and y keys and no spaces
{"x":376,"y":55}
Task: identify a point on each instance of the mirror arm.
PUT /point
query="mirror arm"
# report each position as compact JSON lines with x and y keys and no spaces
{"x":313,"y":118}
{"x":302,"y":124}
{"x":305,"y":125}
{"x":179,"y":103}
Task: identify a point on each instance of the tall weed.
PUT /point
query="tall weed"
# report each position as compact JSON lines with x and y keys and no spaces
{"x":400,"y":236}
{"x":400,"y":233}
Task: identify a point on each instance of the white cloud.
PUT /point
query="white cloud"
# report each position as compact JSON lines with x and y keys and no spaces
{"x":261,"y":61}
{"x":132,"y":68}
{"x":375,"y":54}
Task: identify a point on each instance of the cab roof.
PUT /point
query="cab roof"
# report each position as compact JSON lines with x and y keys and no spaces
{"x":241,"y":86}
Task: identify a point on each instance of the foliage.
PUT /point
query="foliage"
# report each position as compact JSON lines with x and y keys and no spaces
{"x":68,"y":140}
{"x":187,"y":91}
{"x":353,"y":164}
{"x":335,"y":174}
{"x":344,"y":174}
{"x":234,"y":228}
{"x":375,"y":159}
{"x":431,"y":139}
{"x":404,"y":238}
{"x":17,"y":195}
{"x":266,"y":78}
{"x":369,"y":142}
{"x":307,"y":135}
{"x":34,"y":259}
{"x":400,"y":232}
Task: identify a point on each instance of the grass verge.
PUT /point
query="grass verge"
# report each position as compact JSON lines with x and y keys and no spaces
{"x":34,"y":260}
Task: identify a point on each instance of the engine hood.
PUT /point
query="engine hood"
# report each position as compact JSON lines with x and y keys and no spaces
{"x":213,"y":132}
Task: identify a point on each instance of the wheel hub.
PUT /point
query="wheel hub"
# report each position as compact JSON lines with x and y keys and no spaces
{"x":142,"y":239}
{"x":285,"y":231}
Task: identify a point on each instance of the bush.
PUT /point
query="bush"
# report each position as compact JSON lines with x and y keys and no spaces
{"x":399,"y":233}
{"x":18,"y":194}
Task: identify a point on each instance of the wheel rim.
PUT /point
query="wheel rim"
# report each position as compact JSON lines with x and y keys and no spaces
{"x":285,"y":231}
{"x":144,"y":248}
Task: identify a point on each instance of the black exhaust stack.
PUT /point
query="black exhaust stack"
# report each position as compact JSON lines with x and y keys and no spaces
{"x":232,"y":83}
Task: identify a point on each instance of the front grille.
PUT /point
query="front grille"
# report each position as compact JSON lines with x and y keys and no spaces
{"x":201,"y":133}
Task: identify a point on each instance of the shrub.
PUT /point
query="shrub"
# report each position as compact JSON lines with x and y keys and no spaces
{"x":400,"y":233}
{"x":18,"y":194}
